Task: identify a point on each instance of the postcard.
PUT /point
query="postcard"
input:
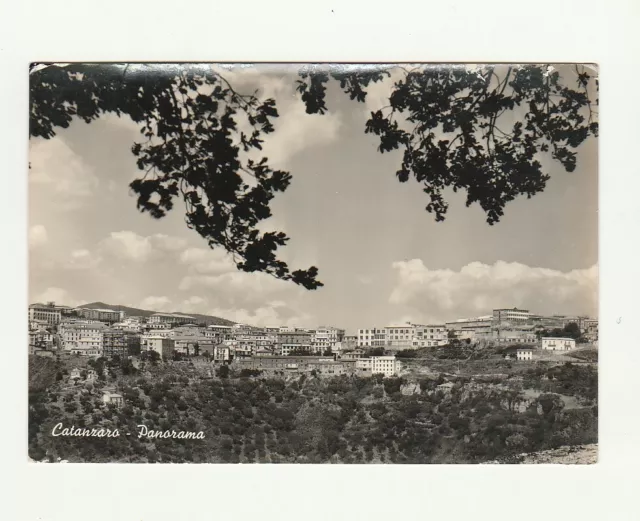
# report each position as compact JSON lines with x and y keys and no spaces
{"x":313,"y":263}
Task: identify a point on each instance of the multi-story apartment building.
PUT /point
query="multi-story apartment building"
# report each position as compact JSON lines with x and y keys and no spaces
{"x":187,"y":330}
{"x":45,"y":313}
{"x":349,"y":342}
{"x":292,"y":341}
{"x":88,"y":346}
{"x":161,"y":345}
{"x":133,"y":342}
{"x":222,"y":354}
{"x":193,"y":345}
{"x":242,"y":330}
{"x":476,"y":328}
{"x":386,"y":365}
{"x":114,"y":342}
{"x":405,"y":336}
{"x":171,"y":319}
{"x":511,"y":316}
{"x":217,"y":333}
{"x":399,"y":337}
{"x":144,"y":337}
{"x":373,"y":337}
{"x":590,"y":329}
{"x":429,"y":335}
{"x":129,"y":325}
{"x":326,"y":339}
{"x":102,"y":315}
{"x":84,"y":338}
{"x":40,"y":339}
{"x":509,"y":325}
{"x":524,"y":353}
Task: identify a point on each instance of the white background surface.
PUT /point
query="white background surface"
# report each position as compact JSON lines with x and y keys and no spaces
{"x":469,"y":31}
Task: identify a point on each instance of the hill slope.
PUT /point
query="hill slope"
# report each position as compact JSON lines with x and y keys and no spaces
{"x":42,"y":373}
{"x":147,"y":313}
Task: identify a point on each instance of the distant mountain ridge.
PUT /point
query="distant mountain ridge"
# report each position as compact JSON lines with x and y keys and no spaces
{"x":208,"y":319}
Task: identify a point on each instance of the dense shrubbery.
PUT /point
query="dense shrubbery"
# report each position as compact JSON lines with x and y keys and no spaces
{"x":339,"y":419}
{"x":567,"y":379}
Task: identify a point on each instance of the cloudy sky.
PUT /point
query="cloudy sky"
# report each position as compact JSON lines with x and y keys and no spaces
{"x":382,"y":258}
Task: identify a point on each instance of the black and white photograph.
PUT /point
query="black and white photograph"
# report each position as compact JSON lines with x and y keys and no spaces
{"x":315,"y":263}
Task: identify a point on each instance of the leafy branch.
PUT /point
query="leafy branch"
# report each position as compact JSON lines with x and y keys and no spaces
{"x":188,"y":115}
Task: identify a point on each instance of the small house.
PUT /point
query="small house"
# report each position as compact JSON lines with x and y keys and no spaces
{"x":558,"y":344}
{"x":524,"y":353}
{"x":113,"y":398}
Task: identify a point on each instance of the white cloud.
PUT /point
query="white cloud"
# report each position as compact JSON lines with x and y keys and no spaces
{"x":241,"y":286}
{"x":167,"y":243}
{"x":57,"y":295}
{"x":193,"y":304}
{"x":60,"y":171}
{"x":38,"y":236}
{"x":156,"y":303}
{"x":263,"y":316}
{"x":82,"y":259}
{"x":254,"y":298}
{"x":128,"y":245}
{"x":207,"y":261}
{"x":437,"y":295}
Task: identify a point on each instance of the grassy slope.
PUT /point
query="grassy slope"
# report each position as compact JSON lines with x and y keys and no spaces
{"x":298,"y":420}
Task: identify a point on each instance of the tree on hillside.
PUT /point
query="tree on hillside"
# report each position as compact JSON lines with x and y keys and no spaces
{"x":479,"y":130}
{"x":570,"y":330}
{"x":223,"y":371}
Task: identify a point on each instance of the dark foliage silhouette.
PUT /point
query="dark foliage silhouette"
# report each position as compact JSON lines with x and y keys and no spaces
{"x":478,"y":130}
{"x":481,"y":131}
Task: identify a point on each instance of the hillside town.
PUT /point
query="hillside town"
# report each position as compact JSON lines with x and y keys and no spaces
{"x":94,"y":332}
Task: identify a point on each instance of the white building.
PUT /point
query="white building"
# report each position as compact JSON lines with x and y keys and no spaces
{"x":114,"y":398}
{"x":326,"y":338}
{"x":524,"y":353}
{"x":386,"y":365}
{"x":429,"y":336}
{"x":400,"y":337}
{"x":103,"y":315}
{"x":511,"y":316}
{"x":475,"y":328}
{"x":221,"y":354}
{"x":171,"y":319}
{"x":82,"y":338}
{"x":372,"y":337}
{"x":558,"y":344}
{"x":163,"y":333}
{"x":41,"y":339}
{"x":45,"y":313}
{"x":218,"y":333}
{"x":161,"y":345}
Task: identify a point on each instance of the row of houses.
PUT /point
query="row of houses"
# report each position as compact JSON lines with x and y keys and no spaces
{"x":559,"y":345}
{"x":104,"y":332}
{"x":503,"y":326}
{"x":332,"y":366}
{"x":405,"y":336}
